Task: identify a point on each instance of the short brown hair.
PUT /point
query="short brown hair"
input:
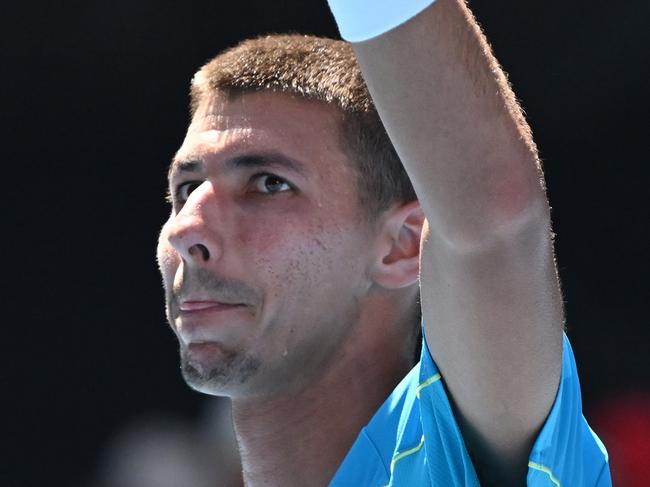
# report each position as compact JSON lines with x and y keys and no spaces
{"x":325,"y":70}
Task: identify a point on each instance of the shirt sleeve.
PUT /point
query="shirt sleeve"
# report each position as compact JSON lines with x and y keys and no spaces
{"x":566,"y":453}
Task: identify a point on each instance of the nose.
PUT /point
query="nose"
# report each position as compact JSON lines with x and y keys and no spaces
{"x":189,"y":230}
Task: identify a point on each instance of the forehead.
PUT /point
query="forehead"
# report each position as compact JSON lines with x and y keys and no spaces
{"x":303,"y":130}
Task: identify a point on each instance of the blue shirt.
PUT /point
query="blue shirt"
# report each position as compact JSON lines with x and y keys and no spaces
{"x":413,"y":440}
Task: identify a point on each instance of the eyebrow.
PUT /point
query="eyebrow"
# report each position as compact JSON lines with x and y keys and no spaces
{"x":262,"y":159}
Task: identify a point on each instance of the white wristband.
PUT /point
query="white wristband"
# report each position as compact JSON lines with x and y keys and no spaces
{"x":360,"y":20}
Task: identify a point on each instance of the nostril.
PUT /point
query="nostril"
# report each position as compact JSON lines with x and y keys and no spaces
{"x":200,"y":250}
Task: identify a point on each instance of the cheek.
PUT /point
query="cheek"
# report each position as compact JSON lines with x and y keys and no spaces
{"x":299,"y":253}
{"x":281,"y":249}
{"x":267,"y":234}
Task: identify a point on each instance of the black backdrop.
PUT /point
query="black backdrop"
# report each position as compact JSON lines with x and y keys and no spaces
{"x":94,"y":99}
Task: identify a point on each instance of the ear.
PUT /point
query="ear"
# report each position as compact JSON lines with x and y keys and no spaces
{"x":397,"y":262}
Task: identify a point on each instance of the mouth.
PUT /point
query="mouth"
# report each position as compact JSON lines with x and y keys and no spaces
{"x":203,"y":322}
{"x":196,"y":307}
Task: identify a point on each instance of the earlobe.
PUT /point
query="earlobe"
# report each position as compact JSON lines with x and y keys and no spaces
{"x":398,"y":262}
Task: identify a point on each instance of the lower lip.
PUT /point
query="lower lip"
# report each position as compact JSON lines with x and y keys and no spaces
{"x":196,"y":308}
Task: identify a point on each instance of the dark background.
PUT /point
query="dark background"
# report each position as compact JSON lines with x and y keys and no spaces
{"x":94,"y":99}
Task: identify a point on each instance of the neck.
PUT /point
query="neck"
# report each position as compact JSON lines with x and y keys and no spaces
{"x":301,"y":438}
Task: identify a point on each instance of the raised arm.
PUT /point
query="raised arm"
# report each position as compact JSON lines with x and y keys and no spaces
{"x":491,"y":302}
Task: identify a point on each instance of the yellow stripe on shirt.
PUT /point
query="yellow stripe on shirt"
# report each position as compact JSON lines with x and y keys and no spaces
{"x":406,"y":453}
{"x":427,"y":383}
{"x":546,"y":470}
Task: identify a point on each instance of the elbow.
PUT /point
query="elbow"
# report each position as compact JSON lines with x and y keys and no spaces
{"x":498,"y":226}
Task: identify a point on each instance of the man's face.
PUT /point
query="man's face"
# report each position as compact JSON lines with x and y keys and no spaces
{"x":265,"y":253}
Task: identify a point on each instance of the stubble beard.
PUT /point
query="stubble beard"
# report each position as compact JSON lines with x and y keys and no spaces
{"x":219,"y":379}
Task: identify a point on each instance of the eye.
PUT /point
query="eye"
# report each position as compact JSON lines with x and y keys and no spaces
{"x":270,"y":183}
{"x":184,"y":190}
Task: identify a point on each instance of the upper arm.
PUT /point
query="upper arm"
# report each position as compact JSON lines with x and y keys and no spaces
{"x":493,"y":319}
{"x":490,"y":297}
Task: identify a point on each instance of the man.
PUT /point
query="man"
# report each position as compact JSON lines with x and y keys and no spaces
{"x":297,"y":251}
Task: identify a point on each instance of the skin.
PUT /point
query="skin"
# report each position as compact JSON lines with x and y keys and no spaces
{"x":322,"y":295}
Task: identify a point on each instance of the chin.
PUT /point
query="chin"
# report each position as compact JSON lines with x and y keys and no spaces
{"x":223,"y":378}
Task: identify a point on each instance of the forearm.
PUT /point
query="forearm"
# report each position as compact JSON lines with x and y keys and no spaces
{"x":455,"y":123}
